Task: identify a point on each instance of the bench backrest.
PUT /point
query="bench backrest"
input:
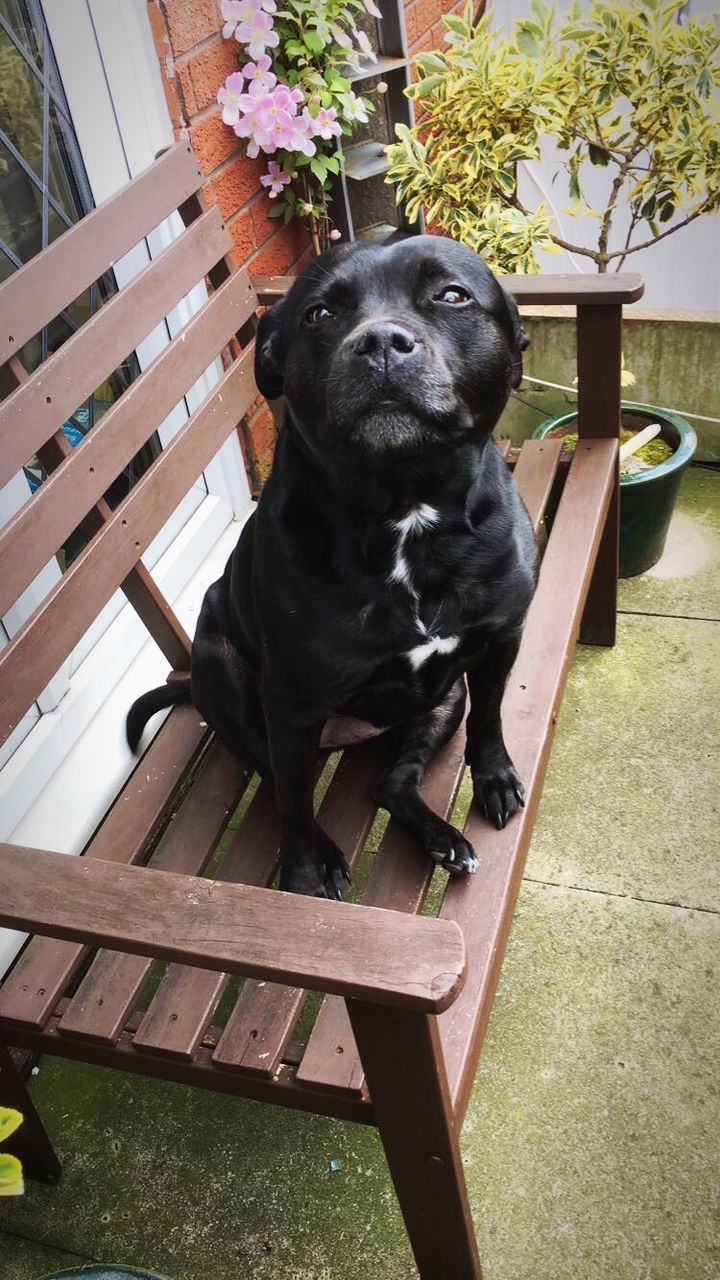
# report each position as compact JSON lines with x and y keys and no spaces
{"x":37,"y":404}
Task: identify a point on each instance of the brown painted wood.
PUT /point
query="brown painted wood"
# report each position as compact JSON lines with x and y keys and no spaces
{"x":103,"y":1000}
{"x":182,"y":1007}
{"x":265,"y":1015}
{"x":599,"y":356}
{"x":30,"y":1143}
{"x":484,"y":908}
{"x":400,"y":876}
{"x":534,"y":473}
{"x":38,"y":291}
{"x":571,"y":290}
{"x":37,"y":650}
{"x":139,"y":588}
{"x":394,"y":959}
{"x":31,"y":414}
{"x":199,"y":1073}
{"x":403,"y":1062}
{"x":31,"y":990}
{"x":33,"y":535}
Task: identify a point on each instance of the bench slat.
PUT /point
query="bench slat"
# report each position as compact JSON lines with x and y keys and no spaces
{"x":31,"y":990}
{"x":139,"y":588}
{"x":265,"y":1015}
{"x":35,"y":653}
{"x":29,"y":540}
{"x":608,"y":290}
{"x":529,"y":713}
{"x":383,"y":957}
{"x":100,"y":1007}
{"x":398,"y":881}
{"x":53,"y":392}
{"x":399,"y":878}
{"x":184,"y":1002}
{"x":37,"y":293}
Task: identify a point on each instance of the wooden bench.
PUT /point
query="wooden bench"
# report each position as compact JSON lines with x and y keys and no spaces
{"x":407,"y":996}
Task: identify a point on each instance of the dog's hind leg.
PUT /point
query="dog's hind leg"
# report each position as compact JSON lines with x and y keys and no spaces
{"x":399,"y":788}
{"x":225,"y":687}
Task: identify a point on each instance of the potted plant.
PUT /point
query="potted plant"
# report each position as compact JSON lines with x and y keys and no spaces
{"x":625,"y":89}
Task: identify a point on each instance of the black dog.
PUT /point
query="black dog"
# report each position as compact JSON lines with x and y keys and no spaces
{"x":390,"y":555}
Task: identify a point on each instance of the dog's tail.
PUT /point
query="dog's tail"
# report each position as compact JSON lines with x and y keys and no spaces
{"x":168,"y":695}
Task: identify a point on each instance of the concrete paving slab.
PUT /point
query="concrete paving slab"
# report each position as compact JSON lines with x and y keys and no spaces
{"x":631,"y":802}
{"x":27,"y":1260}
{"x":686,"y":580}
{"x":590,"y":1143}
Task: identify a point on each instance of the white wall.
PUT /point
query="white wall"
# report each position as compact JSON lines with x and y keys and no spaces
{"x":680,"y":271}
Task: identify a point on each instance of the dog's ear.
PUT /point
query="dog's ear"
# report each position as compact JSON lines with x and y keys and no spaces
{"x":520,"y":340}
{"x":269,"y":357}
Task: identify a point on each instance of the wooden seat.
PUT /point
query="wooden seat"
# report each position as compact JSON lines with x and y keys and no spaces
{"x":159,"y":969}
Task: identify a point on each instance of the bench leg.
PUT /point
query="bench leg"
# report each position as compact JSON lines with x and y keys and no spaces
{"x":402,"y":1058}
{"x":599,"y":357}
{"x":599,"y":620}
{"x":30,"y":1142}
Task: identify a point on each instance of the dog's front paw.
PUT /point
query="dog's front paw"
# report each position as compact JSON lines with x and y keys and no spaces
{"x":450,"y":849}
{"x":320,"y":872}
{"x":497,"y":789}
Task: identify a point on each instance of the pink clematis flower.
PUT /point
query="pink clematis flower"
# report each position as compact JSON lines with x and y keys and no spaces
{"x":326,"y":123}
{"x":229,"y":95}
{"x":275,"y":179}
{"x":259,"y":76}
{"x":257,"y":33}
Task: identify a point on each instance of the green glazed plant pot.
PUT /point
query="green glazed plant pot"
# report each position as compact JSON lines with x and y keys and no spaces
{"x":647,"y":499}
{"x":103,"y":1272}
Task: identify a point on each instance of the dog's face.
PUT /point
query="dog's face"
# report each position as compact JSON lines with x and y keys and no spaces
{"x":392,"y":351}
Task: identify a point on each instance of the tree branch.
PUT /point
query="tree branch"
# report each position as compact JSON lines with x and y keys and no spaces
{"x":619,"y":253}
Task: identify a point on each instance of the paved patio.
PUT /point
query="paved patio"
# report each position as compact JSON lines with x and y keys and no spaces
{"x":591,"y":1142}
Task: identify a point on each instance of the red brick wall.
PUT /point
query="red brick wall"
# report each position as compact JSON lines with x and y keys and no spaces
{"x":194,"y":61}
{"x":425,"y":30}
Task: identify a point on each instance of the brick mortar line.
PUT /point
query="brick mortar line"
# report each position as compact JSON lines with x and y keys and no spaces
{"x":207,"y":43}
{"x":624,"y":897}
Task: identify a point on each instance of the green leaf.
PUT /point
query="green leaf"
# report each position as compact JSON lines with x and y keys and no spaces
{"x":425,"y":86}
{"x":10,"y":1120}
{"x":319,"y":168}
{"x":574,"y":187}
{"x":276,"y":211}
{"x":667,"y":211}
{"x":528,"y":44}
{"x":506,"y":181}
{"x":11,"y":1180}
{"x":314,"y":42}
{"x":598,"y":155}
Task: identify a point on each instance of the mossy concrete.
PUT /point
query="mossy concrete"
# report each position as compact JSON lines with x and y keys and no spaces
{"x":590,"y":1143}
{"x":686,"y":580}
{"x":673,"y":356}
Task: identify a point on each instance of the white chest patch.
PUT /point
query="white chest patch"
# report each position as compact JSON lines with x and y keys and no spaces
{"x":439,"y":644}
{"x":415,"y":522}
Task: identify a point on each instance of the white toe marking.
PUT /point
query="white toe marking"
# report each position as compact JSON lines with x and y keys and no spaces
{"x":451,"y":856}
{"x":421,"y":652}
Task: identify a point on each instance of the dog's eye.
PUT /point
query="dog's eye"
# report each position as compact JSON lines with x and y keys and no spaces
{"x":318,"y":314}
{"x":454,"y":296}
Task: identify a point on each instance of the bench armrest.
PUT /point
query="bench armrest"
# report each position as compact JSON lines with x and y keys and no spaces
{"x":599,"y":290}
{"x":384,"y":957}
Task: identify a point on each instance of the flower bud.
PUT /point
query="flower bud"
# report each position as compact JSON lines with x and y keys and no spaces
{"x":381,"y":87}
{"x":307,"y":208}
{"x":335,"y":235}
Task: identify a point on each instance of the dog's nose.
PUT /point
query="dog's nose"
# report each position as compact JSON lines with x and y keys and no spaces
{"x":385,"y":345}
